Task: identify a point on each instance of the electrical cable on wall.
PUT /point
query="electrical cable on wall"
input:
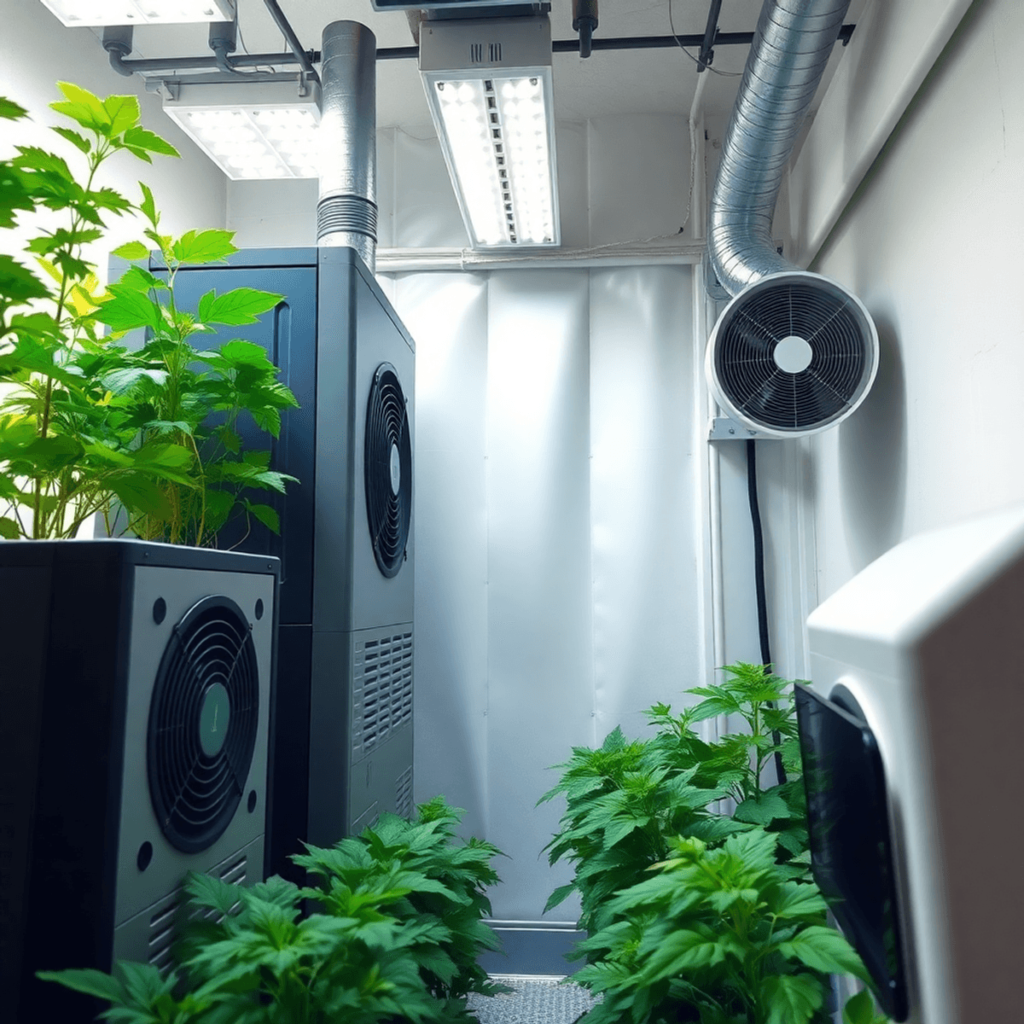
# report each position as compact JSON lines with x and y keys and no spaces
{"x":762,"y":599}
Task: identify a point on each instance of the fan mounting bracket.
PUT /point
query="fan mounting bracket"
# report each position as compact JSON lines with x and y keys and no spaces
{"x":722,"y":428}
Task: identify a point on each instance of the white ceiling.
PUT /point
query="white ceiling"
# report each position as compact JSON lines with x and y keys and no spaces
{"x":608,"y":82}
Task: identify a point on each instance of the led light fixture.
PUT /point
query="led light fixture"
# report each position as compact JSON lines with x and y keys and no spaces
{"x":252,"y":129}
{"x":94,"y":13}
{"x":489,"y":88}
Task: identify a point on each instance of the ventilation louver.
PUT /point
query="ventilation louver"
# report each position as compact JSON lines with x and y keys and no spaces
{"x":792,"y":354}
{"x":202,"y":724}
{"x":388,"y":466}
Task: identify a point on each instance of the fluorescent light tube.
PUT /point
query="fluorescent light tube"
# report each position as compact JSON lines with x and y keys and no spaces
{"x":95,"y":13}
{"x":494,"y":122}
{"x":252,"y":129}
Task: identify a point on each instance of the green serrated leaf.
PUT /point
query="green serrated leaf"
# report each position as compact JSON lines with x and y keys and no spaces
{"x":211,"y":246}
{"x":792,"y":998}
{"x":11,"y":110}
{"x":239,"y":306}
{"x":148,"y":207}
{"x":142,"y":138}
{"x":78,"y":141}
{"x":91,"y":982}
{"x":266,"y":515}
{"x":132,"y":251}
{"x":123,"y":112}
{"x":824,"y":949}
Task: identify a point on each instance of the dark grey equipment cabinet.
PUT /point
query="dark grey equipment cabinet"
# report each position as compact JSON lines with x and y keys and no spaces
{"x":134,"y":712}
{"x":342,"y":736}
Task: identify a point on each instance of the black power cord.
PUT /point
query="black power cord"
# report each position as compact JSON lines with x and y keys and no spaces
{"x":762,"y":599}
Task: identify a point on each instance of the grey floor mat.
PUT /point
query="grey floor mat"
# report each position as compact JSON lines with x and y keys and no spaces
{"x":543,"y":1000}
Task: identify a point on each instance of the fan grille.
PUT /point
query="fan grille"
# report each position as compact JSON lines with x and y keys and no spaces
{"x":839,"y":368}
{"x":388,"y":470}
{"x":197,"y":767}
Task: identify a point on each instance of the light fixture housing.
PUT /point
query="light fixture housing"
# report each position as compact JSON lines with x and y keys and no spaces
{"x":97,"y":13}
{"x":489,"y":88}
{"x":252,"y":129}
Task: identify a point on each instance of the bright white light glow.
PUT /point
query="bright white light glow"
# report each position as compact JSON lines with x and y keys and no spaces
{"x":254,"y":141}
{"x":497,"y":135}
{"x":94,"y":13}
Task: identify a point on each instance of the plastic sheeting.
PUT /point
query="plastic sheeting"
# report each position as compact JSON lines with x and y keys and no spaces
{"x":557,"y":534}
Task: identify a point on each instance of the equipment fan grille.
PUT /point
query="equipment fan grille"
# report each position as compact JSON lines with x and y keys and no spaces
{"x":821,"y":316}
{"x":382,"y":690}
{"x":388,"y":470}
{"x":195,"y":786}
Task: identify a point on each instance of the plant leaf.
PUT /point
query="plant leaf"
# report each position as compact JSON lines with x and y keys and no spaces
{"x":239,"y":306}
{"x":824,"y":949}
{"x":131,"y":251}
{"x":142,"y":138}
{"x":792,"y":998}
{"x":211,"y":246}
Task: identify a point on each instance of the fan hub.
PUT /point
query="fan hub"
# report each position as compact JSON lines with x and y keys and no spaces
{"x":213,"y":719}
{"x":793,"y":354}
{"x":396,"y":470}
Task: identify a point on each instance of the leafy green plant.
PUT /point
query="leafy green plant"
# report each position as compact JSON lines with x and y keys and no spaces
{"x":255,"y":962}
{"x":398,"y":937}
{"x":434,"y":884}
{"x":84,"y":420}
{"x":693,"y":913}
{"x":725,"y":933}
{"x":629,"y":799}
{"x":172,"y":392}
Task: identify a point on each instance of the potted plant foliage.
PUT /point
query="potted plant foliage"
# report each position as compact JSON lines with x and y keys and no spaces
{"x":396,"y":936}
{"x":693,"y":914}
{"x":87,"y":422}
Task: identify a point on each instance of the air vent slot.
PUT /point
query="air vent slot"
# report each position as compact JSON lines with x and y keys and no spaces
{"x":403,"y":794}
{"x":382,"y":690}
{"x":494,"y":52}
{"x":476,"y":53}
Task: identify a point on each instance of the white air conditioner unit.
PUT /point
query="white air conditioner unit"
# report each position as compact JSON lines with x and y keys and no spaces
{"x":923,"y":650}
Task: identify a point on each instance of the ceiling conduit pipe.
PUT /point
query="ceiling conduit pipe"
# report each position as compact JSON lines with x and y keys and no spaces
{"x":347,"y":210}
{"x":791,"y":48}
{"x":793,"y":352}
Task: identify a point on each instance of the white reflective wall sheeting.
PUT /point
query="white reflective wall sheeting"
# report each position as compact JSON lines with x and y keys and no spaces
{"x":556,"y":532}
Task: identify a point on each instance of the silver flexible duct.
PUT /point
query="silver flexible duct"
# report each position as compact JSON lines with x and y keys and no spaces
{"x":347,"y":210}
{"x":791,"y":47}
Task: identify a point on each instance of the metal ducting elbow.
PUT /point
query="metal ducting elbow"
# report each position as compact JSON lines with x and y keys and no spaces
{"x":347,"y":208}
{"x":793,"y":352}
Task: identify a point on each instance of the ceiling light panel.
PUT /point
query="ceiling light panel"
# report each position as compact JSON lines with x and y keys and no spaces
{"x":95,"y":13}
{"x":252,"y":130}
{"x":494,"y":120}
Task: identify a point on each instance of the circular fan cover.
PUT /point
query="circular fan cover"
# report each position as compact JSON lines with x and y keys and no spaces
{"x":202,"y":724}
{"x":388,"y":464}
{"x":793,"y":354}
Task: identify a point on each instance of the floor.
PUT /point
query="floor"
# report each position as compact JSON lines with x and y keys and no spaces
{"x":535,"y":999}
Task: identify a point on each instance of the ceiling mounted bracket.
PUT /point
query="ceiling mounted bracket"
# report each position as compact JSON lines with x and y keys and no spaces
{"x":707,"y":53}
{"x":584,"y":21}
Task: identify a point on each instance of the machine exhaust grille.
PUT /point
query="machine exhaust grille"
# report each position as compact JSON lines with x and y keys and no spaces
{"x":202,"y":724}
{"x":388,"y":470}
{"x":382,"y":692}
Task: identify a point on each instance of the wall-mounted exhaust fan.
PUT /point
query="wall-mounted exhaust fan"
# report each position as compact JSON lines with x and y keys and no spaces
{"x":792,"y":354}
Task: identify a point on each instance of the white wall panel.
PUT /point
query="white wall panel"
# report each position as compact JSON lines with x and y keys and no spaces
{"x":447,"y":316}
{"x":276,"y":212}
{"x":934,"y":246}
{"x":539,"y":630}
{"x":643,"y":514}
{"x":426,"y":212}
{"x":639,"y":173}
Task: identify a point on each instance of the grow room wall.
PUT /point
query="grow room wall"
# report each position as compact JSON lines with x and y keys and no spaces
{"x":934,"y":246}
{"x":35,"y":53}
